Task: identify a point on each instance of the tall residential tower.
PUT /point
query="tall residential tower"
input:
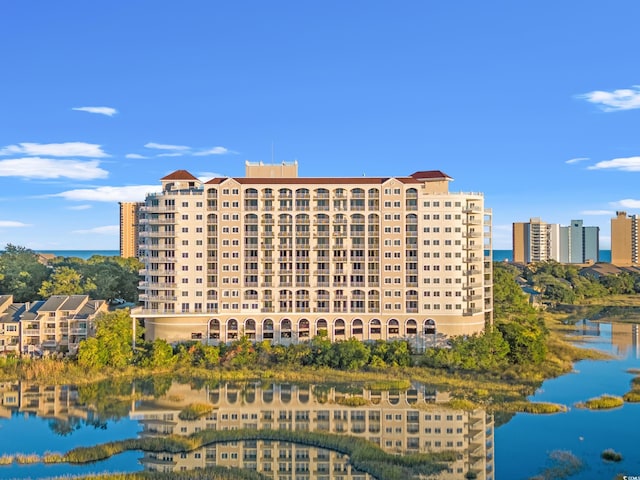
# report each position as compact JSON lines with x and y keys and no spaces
{"x":281,"y":258}
{"x":624,"y":239}
{"x":129,"y":240}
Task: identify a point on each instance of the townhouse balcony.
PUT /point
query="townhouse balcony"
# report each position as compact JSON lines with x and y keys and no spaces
{"x":31,"y":331}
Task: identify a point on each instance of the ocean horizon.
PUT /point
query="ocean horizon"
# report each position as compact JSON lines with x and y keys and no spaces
{"x":507,"y":255}
{"x":498,"y":255}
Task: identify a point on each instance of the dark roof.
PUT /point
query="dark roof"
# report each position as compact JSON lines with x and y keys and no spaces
{"x":430,"y":174}
{"x":179,"y":175}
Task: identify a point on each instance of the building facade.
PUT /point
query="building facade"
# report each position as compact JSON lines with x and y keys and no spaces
{"x":129,"y":228}
{"x":538,"y":241}
{"x":535,"y":241}
{"x":579,"y":244}
{"x":624,"y":239}
{"x":281,"y":258}
{"x":57,"y":324}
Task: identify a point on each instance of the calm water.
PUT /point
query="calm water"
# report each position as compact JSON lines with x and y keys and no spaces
{"x":37,"y":419}
{"x":524,"y":443}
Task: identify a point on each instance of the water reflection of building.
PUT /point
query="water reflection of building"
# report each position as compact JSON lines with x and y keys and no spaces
{"x":625,"y":337}
{"x":60,"y":402}
{"x":399,"y":422}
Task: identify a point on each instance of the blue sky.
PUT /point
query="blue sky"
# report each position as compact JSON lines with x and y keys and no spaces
{"x":536,"y":104}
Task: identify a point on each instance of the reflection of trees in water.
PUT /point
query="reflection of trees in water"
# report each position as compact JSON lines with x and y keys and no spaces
{"x":598,"y":312}
{"x":153,"y":385}
{"x":67,"y":426}
{"x":109,"y":400}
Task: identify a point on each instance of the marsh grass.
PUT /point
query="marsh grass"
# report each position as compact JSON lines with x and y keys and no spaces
{"x":52,"y":457}
{"x":27,"y":458}
{"x":541,"y":408}
{"x":208,"y":473}
{"x":603,"y":402}
{"x":195,"y":411}
{"x":6,"y":459}
{"x":364,"y":455}
{"x":562,"y":464}
{"x":352,"y":401}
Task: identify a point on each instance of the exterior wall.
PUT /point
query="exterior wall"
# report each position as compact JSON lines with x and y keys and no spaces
{"x":332,"y":250}
{"x":520,"y":242}
{"x":624,"y":239}
{"x":260,"y":170}
{"x":129,"y":229}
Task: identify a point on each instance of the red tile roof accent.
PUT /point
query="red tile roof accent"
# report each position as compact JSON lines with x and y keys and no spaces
{"x":430,"y":174}
{"x":312,"y":180}
{"x":179,"y":175}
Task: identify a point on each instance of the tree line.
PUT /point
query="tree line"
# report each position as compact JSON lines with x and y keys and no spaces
{"x":27,"y":278}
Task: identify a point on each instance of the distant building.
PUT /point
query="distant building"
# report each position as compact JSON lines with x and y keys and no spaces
{"x":538,"y":241}
{"x":625,"y":235}
{"x":57,"y":324}
{"x":535,"y":241}
{"x":579,"y":244}
{"x":129,"y":214}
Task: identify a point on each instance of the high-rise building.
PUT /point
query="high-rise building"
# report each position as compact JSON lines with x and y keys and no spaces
{"x":624,"y":239}
{"x":281,"y":258}
{"x":535,"y":241}
{"x":579,"y":244}
{"x":129,"y":228}
{"x":538,"y":241}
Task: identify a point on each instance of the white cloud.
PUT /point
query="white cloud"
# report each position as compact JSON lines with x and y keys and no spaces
{"x":162,"y":146}
{"x":41,"y":168}
{"x":108,"y":111}
{"x":576,"y":160}
{"x":212,"y":151}
{"x":12,"y":224}
{"x":597,"y":212}
{"x":628,"y":164}
{"x":627,"y":203}
{"x":621,"y":99}
{"x":80,"y":207}
{"x":175,"y":154}
{"x":106,"y":230}
{"x":68,"y":149}
{"x":134,"y":156}
{"x":133,"y":193}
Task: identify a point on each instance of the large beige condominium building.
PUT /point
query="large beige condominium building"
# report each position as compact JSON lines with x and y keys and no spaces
{"x":281,"y":258}
{"x":129,"y":229}
{"x":57,"y":324}
{"x":535,"y":241}
{"x":625,"y":233}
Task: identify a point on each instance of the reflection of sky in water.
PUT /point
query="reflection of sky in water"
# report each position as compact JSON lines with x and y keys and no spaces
{"x":28,"y":434}
{"x":523,"y":444}
{"x":128,"y":461}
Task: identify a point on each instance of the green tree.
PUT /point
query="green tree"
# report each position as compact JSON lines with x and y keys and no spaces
{"x":508,"y":297}
{"x":112,"y":345}
{"x":21,"y":273}
{"x":349,"y":354}
{"x":527,"y":339}
{"x":66,"y":281}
